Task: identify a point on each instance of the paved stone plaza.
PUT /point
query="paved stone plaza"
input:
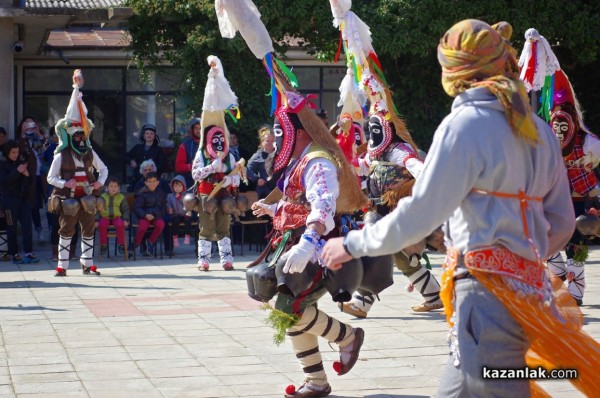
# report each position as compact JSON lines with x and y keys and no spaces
{"x":161,"y":328}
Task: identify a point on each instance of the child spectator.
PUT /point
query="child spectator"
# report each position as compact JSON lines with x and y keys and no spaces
{"x":115,"y":213}
{"x":150,"y":204}
{"x":177,"y":212}
{"x":15,"y":181}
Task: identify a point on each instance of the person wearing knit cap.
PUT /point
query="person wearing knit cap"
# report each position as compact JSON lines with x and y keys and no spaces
{"x":494,"y":177}
{"x":215,"y":170}
{"x":76,"y":189}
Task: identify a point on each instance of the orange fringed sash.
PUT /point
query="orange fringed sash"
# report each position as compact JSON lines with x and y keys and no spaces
{"x":543,"y":307}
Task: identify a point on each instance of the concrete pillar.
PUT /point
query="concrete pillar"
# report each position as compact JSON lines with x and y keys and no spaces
{"x":7,"y":93}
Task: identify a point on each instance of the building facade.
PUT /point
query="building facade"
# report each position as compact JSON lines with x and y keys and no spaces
{"x":42,"y":42}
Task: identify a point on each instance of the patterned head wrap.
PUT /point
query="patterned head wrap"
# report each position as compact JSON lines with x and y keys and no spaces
{"x":472,"y":54}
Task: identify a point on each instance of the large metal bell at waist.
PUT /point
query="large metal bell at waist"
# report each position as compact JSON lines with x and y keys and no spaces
{"x":296,"y":283}
{"x":209,"y":206}
{"x":378,"y":273}
{"x":70,"y":206}
{"x":242,"y":203}
{"x":343,"y":282}
{"x":264,"y":281}
{"x":88,"y":203}
{"x":228,"y":205}
{"x":100,"y":203}
{"x":588,"y":225}
{"x":191,"y":202}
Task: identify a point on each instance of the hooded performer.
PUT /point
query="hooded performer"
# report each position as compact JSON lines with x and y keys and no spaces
{"x":316,"y":183}
{"x":581,"y":154}
{"x":215,"y":170}
{"x":391,"y":163}
{"x":76,"y":190}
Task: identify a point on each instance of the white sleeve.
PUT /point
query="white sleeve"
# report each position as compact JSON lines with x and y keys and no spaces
{"x":322,"y":190}
{"x":591,"y":149}
{"x":199,"y":170}
{"x":404,"y":156}
{"x":54,"y":172}
{"x":100,"y":167}
{"x":363,"y":166}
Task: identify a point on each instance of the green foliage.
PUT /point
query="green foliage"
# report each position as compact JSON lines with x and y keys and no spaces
{"x":280,"y":321}
{"x":581,"y":252}
{"x":405,"y":37}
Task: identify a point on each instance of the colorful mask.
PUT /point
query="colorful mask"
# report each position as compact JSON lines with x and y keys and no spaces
{"x":285,"y":139}
{"x":564,"y":127}
{"x":215,"y":141}
{"x":78,"y":142}
{"x":359,"y":134}
{"x":381,"y":133}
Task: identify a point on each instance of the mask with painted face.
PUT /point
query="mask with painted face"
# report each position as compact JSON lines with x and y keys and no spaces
{"x":215,"y":141}
{"x":381,"y":132}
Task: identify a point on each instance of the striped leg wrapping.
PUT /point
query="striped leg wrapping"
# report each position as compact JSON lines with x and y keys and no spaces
{"x":87,"y":250}
{"x":64,"y":245}
{"x":363,"y":302}
{"x":557,"y":265}
{"x":426,"y":284}
{"x":303,"y":336}
{"x":204,"y":251}
{"x":576,"y":278}
{"x":3,"y":242}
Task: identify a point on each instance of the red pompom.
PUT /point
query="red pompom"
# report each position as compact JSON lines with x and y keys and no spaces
{"x":93,"y":268}
{"x":593,"y":212}
{"x":290,"y":390}
{"x":337,"y":366}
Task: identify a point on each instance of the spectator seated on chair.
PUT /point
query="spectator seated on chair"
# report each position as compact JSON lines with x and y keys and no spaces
{"x":116,"y":213}
{"x":177,"y":212}
{"x":150,"y":205}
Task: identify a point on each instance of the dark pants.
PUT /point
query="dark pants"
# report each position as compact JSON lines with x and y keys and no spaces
{"x":576,"y":239}
{"x":18,"y":209}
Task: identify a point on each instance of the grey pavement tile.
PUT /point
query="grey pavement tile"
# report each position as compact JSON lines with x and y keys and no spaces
{"x":65,"y":394}
{"x":32,"y":378}
{"x":54,"y":387}
{"x":185,"y":349}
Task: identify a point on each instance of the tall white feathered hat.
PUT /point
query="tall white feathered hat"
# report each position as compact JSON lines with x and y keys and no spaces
{"x":537,"y":60}
{"x":218,"y":99}
{"x":76,"y":116}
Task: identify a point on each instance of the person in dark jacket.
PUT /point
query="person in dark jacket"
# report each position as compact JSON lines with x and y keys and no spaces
{"x":15,"y":181}
{"x":148,"y":148}
{"x":31,"y":147}
{"x":187,"y":151}
{"x":149,"y":208}
{"x":256,"y":165}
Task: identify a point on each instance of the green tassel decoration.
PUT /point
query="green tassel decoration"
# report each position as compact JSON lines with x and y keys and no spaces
{"x":280,"y":321}
{"x":581,"y":253}
{"x":427,"y":262}
{"x":287,"y":72}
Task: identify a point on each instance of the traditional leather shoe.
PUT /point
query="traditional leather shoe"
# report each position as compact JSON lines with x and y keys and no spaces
{"x":426,"y":307}
{"x":90,"y":270}
{"x":352,"y":309}
{"x":345,"y":366}
{"x":307,"y":390}
{"x":60,"y":272}
{"x":227,"y":266}
{"x":203,"y":267}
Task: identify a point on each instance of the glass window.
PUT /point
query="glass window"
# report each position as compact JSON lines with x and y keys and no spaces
{"x":153,"y":109}
{"x":105,"y":111}
{"x":309,"y":78}
{"x":60,"y":79}
{"x":332,"y":77}
{"x":167,"y":80}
